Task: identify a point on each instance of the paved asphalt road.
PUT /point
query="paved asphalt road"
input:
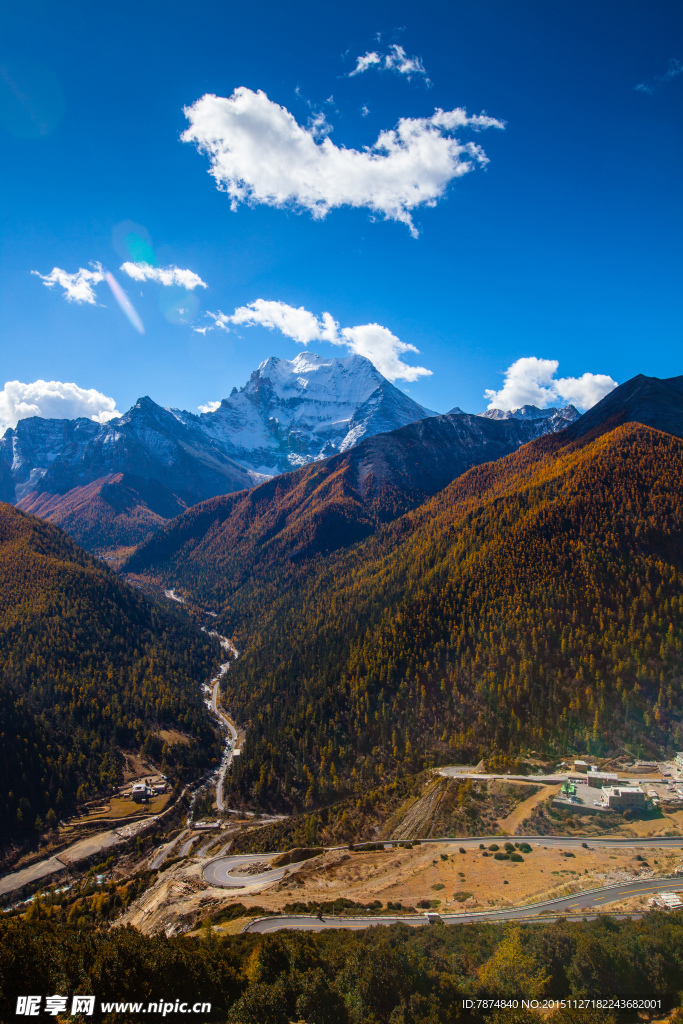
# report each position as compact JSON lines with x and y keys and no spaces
{"x":220,"y":872}
{"x":165,"y":850}
{"x":187,"y":845}
{"x":591,"y":900}
{"x":568,"y":841}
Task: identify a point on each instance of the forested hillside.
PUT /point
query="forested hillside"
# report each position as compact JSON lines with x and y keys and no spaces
{"x":535,"y":602}
{"x":108,"y":515}
{"x":233,"y":553}
{"x":87,"y":667}
{"x":397,"y":975}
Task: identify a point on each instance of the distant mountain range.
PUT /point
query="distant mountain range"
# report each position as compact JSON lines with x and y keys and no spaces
{"x":456,"y":586}
{"x":224,"y":545}
{"x":110,"y":485}
{"x":534,"y":602}
{"x":553,"y":419}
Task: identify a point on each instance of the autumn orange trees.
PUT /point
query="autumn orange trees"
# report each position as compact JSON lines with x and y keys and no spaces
{"x":535,"y":602}
{"x":87,"y":667}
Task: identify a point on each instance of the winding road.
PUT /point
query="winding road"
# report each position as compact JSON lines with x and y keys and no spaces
{"x":549,"y":910}
{"x":221,"y":872}
{"x":163,"y":853}
{"x":225,"y":872}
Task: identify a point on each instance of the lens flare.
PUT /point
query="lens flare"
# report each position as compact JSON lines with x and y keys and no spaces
{"x":139,"y":249}
{"x":124,"y":302}
{"x":178,"y":305}
{"x":133,"y":242}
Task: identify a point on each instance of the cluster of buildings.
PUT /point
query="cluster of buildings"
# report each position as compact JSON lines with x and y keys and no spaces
{"x":144,"y":791}
{"x":613,"y":796}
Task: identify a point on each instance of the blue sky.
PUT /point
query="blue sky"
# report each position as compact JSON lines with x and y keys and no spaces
{"x":564,"y":246}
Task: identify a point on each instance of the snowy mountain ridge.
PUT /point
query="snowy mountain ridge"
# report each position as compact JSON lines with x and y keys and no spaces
{"x":293,"y":412}
{"x":558,"y":418}
{"x":289,"y":413}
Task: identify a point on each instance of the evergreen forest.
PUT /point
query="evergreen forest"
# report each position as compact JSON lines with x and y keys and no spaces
{"x":88,"y":668}
{"x":533,"y":604}
{"x":395,"y":975}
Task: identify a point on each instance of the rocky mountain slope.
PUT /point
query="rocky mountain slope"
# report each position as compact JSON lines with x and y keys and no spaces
{"x":293,"y":412}
{"x":221,"y":549}
{"x":288,"y":414}
{"x":149,"y":442}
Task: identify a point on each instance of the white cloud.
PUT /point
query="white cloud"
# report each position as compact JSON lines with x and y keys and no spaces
{"x":220,"y":320}
{"x":373,"y":341}
{"x":383,"y":349}
{"x":163,"y":275}
{"x":396,"y":60}
{"x":259,"y":153}
{"x":532,"y":381}
{"x":52,"y":399}
{"x":209,"y":407}
{"x":368,"y":60}
{"x":584,"y":391}
{"x":77,"y":287}
{"x":298,"y":324}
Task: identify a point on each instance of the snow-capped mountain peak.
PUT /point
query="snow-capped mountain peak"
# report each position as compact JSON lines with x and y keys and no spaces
{"x":291,"y":412}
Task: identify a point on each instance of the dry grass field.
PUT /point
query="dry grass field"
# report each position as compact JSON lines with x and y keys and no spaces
{"x":119,"y":807}
{"x":451,"y":881}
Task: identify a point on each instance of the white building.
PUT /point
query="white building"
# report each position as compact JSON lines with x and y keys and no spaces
{"x":619,"y":798}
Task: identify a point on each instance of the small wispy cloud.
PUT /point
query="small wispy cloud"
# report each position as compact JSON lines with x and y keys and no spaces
{"x":220,"y":320}
{"x":395,"y":60}
{"x":166,"y":276}
{"x":209,"y":407}
{"x":673,"y":71}
{"x":78,"y":287}
{"x":368,"y":60}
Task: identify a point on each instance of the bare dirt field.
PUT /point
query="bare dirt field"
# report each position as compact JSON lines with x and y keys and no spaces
{"x":173,"y":736}
{"x":511,"y":822}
